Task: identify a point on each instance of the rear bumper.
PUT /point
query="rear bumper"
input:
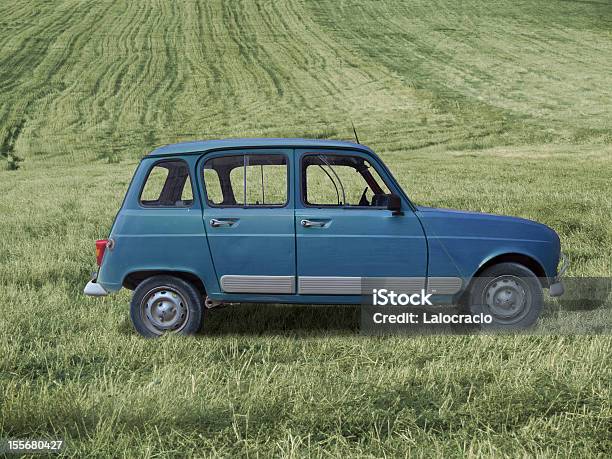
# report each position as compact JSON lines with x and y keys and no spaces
{"x":94,"y":289}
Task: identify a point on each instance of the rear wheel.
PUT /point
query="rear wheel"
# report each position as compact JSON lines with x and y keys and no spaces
{"x":510,"y":293}
{"x":166,"y":304}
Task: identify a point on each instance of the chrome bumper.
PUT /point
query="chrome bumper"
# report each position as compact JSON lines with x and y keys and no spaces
{"x":556,"y":286}
{"x":94,"y":289}
{"x":556,"y":289}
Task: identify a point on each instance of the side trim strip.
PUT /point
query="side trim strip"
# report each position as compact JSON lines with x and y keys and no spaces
{"x":258,"y":284}
{"x":338,"y":285}
{"x":330,"y":285}
{"x":311,"y":285}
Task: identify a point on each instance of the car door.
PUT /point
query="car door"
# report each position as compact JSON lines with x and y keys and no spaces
{"x":248,"y":214}
{"x":344,"y":232}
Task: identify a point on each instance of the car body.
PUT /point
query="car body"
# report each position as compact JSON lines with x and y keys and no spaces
{"x":311,"y":243}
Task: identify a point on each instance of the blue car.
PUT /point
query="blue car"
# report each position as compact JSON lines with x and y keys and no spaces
{"x":307,"y":221}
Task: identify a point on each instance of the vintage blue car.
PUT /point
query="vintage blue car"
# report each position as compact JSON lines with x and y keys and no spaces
{"x":306,"y":221}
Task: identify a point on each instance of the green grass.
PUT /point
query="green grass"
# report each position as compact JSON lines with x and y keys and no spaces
{"x":499,"y":107}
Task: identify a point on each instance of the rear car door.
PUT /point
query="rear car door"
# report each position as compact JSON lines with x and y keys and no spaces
{"x":344,"y":232}
{"x":248,"y":213}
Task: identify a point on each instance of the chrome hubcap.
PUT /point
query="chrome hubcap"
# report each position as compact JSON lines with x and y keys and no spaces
{"x":164,"y":309}
{"x":506,"y":297}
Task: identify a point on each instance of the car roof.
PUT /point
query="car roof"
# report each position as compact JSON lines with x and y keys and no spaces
{"x":203,"y":146}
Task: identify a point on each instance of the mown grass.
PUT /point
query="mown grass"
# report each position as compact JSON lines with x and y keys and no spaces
{"x":497,"y":107}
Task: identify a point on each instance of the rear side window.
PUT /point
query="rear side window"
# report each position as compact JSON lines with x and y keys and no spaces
{"x":246,"y":181}
{"x":168,"y":185}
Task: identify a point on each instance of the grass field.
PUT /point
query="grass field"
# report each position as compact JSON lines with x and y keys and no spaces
{"x":501,"y":107}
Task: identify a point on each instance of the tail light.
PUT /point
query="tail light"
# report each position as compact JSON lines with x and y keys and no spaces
{"x":101,"y":245}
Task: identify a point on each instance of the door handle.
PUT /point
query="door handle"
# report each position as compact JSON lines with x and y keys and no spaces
{"x":312,"y":224}
{"x":220,"y":223}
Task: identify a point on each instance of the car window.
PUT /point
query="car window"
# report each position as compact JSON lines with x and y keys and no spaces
{"x":168,"y":185}
{"x":219,"y":189}
{"x":213,"y":186}
{"x":246,"y":180}
{"x":341,"y":180}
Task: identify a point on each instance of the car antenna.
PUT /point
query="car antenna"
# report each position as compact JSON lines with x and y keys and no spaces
{"x":355,"y":132}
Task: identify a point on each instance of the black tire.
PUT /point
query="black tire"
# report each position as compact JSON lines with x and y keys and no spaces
{"x":510,"y":293}
{"x":166,"y":304}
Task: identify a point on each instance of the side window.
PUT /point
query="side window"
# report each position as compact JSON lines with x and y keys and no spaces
{"x":223,"y":187}
{"x":341,"y":181}
{"x":168,"y":185}
{"x":246,"y":180}
{"x":213,"y":186}
{"x":237,"y":181}
{"x":266,"y":180}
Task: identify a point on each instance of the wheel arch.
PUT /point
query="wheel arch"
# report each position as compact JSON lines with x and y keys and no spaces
{"x":131,"y":280}
{"x":514,"y":257}
{"x":509,"y":257}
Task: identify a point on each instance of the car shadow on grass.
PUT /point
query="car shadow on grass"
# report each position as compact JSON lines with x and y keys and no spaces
{"x":304,"y":320}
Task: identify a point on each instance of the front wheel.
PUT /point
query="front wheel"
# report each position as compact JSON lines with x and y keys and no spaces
{"x":165,"y":304}
{"x":510,"y":293}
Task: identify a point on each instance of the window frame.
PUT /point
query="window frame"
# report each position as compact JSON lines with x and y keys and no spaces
{"x":304,"y":184}
{"x":146,"y":179}
{"x":244,"y":154}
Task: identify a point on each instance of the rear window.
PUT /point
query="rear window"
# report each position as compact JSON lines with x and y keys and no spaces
{"x":168,"y":185}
